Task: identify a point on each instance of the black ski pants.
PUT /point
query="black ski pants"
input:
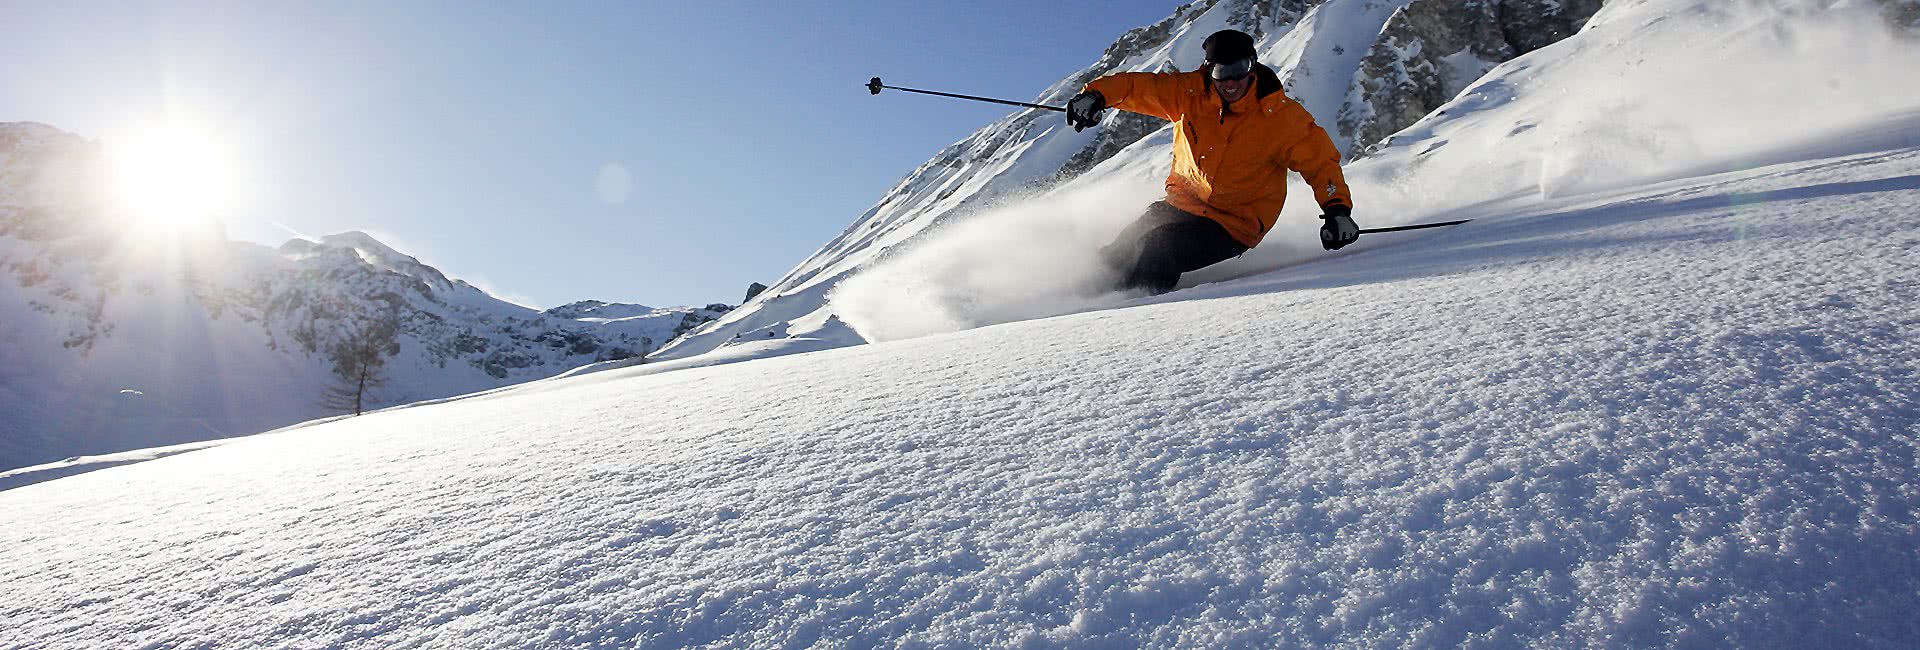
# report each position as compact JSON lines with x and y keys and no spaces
{"x":1164,"y":243}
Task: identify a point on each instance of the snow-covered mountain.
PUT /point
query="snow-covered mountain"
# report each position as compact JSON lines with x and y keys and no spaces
{"x":110,"y":342}
{"x":1664,"y":391}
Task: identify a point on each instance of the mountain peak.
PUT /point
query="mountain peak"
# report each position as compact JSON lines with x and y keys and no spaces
{"x":372,"y":252}
{"x":31,"y":130}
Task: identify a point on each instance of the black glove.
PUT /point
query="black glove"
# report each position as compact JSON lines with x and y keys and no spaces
{"x":1339,"y":230}
{"x":1084,"y":110}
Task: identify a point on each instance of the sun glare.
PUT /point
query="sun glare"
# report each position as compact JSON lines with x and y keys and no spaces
{"x":171,"y":178}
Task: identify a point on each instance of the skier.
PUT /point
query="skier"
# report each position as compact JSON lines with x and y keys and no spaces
{"x":1236,"y":136}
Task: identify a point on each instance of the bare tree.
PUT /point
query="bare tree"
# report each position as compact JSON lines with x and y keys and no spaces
{"x":359,"y":364}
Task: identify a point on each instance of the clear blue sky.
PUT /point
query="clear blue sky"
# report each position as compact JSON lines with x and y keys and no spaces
{"x":476,"y":135}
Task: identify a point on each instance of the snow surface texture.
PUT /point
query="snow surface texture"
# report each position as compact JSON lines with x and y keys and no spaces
{"x":1661,"y":419}
{"x":1676,"y":410}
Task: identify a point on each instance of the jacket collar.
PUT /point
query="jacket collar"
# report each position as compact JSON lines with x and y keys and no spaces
{"x":1266,"y":82}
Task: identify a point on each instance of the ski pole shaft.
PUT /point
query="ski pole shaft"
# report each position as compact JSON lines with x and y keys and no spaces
{"x":874,"y":87}
{"x":1364,"y":231}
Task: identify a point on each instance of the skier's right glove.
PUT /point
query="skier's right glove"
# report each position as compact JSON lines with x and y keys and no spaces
{"x":1084,"y":110}
{"x":1338,"y":229}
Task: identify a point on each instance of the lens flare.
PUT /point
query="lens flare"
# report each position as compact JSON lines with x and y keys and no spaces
{"x":170,"y":178}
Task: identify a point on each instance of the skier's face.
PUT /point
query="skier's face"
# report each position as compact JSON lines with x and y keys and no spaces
{"x":1231,"y":90}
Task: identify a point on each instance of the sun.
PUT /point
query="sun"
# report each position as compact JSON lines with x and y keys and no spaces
{"x":171,"y":178}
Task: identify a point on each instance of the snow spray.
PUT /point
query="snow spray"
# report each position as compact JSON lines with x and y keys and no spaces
{"x":1027,"y":257}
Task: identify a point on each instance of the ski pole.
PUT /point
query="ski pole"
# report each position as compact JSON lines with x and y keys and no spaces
{"x":1364,"y":231}
{"x":874,"y":87}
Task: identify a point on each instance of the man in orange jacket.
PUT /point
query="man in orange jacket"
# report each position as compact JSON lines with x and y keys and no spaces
{"x":1235,"y":136}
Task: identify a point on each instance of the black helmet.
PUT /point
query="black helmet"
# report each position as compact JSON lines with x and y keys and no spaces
{"x":1229,"y":53}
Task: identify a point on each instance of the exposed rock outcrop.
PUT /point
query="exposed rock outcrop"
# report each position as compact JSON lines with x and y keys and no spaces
{"x":1431,"y":49}
{"x":1902,"y":14}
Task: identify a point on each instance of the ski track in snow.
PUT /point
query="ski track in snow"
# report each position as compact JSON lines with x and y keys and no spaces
{"x":1683,"y":418}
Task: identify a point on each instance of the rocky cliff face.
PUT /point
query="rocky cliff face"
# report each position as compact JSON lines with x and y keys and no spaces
{"x":1902,"y":14}
{"x":49,"y":182}
{"x":110,"y":342}
{"x":1431,"y":49}
{"x":1427,"y":52}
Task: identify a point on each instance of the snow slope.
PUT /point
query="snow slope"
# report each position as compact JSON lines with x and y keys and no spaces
{"x":1666,"y":418}
{"x":1626,"y":407}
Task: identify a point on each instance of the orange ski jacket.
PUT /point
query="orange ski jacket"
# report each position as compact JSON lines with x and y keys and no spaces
{"x":1230,"y":162}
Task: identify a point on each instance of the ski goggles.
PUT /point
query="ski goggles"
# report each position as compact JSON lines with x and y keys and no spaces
{"x":1232,"y":70}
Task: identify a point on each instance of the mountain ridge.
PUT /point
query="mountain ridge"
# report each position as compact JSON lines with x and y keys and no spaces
{"x":161,"y":339}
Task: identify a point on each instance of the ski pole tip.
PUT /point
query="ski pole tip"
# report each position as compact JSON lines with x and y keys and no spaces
{"x":874,"y":86}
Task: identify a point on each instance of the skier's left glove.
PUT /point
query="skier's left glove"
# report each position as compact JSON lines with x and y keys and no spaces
{"x":1084,"y":109}
{"x":1338,"y":229}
